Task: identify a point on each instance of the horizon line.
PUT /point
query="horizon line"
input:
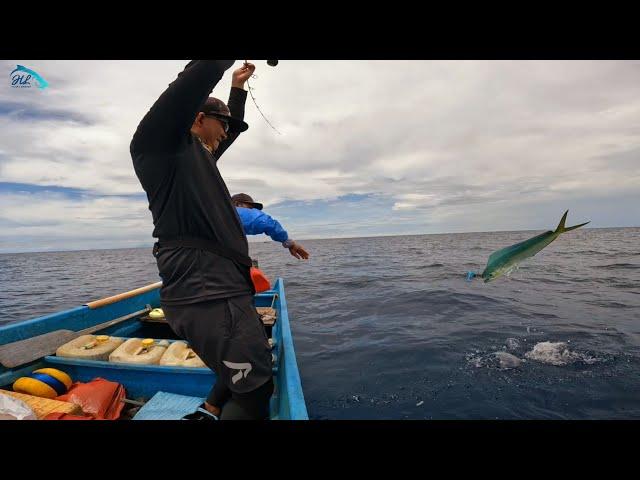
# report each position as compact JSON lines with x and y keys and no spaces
{"x":306,"y":239}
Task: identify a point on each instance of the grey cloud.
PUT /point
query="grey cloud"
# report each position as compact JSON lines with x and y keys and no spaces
{"x":479,"y":136}
{"x":628,"y":160}
{"x":17,"y":112}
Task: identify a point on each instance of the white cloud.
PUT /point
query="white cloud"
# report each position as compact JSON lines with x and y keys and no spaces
{"x":67,"y":223}
{"x":428,"y":135}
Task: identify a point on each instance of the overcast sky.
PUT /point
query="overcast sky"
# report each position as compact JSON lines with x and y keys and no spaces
{"x":366,"y":148}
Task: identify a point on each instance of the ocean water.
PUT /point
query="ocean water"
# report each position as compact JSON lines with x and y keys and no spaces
{"x":388,"y":328}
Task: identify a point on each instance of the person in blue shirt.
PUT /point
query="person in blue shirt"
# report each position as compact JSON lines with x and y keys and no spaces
{"x":255,"y":221}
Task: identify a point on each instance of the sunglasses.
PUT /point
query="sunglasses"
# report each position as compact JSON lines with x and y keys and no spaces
{"x":225,"y":123}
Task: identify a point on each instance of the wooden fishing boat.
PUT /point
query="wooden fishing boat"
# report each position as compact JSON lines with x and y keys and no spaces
{"x":31,"y":344}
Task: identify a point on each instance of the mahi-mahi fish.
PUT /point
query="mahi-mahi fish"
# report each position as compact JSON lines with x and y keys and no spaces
{"x":505,"y":259}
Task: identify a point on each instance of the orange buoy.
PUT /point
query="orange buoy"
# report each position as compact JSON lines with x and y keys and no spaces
{"x":260,"y":281}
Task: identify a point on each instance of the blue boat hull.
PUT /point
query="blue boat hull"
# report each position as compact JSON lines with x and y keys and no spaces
{"x":144,"y":381}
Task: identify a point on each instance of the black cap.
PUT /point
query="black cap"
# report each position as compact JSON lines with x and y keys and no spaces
{"x":217,"y":108}
{"x":244,"y":198}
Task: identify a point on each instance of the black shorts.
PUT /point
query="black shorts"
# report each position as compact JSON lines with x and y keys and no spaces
{"x":229,"y":337}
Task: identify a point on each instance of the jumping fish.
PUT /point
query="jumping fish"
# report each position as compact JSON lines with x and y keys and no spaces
{"x":505,"y":259}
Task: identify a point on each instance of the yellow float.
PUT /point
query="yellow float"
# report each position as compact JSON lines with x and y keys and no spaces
{"x":44,"y":382}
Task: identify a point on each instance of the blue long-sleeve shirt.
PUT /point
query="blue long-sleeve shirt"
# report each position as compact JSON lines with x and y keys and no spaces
{"x":255,"y":222}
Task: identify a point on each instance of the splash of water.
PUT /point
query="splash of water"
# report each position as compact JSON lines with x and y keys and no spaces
{"x":507,"y":360}
{"x":501,"y":360}
{"x":557,"y":353}
{"x":512,"y":344}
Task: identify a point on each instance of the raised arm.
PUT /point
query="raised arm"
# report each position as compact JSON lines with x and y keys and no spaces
{"x":171,"y":116}
{"x":236,"y":103}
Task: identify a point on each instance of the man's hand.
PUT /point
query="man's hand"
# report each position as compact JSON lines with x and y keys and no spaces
{"x":242,"y":74}
{"x":212,"y":409}
{"x":298,"y":251}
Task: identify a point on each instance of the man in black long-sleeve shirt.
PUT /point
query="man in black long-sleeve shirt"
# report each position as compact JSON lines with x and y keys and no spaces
{"x":202,"y":252}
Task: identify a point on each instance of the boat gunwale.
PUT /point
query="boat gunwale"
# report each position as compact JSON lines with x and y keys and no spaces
{"x":291,"y":398}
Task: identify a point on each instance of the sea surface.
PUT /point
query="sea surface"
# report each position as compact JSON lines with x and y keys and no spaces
{"x":388,"y":327}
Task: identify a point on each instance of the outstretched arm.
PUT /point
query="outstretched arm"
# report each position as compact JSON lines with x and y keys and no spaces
{"x":296,"y":249}
{"x":269,"y":225}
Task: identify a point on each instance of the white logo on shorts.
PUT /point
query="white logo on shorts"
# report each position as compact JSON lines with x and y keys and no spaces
{"x":244,"y":368}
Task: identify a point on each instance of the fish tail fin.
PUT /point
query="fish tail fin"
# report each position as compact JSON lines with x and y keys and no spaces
{"x":568,"y":229}
{"x":561,"y":228}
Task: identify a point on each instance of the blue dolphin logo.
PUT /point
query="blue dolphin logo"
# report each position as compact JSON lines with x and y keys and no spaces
{"x":42,"y":83}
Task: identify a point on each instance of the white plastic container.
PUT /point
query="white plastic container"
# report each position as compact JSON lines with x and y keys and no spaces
{"x":180,"y":355}
{"x":90,"y":347}
{"x":140,"y":352}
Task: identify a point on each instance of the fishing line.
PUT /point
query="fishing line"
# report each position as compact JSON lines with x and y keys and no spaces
{"x":272,"y":63}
